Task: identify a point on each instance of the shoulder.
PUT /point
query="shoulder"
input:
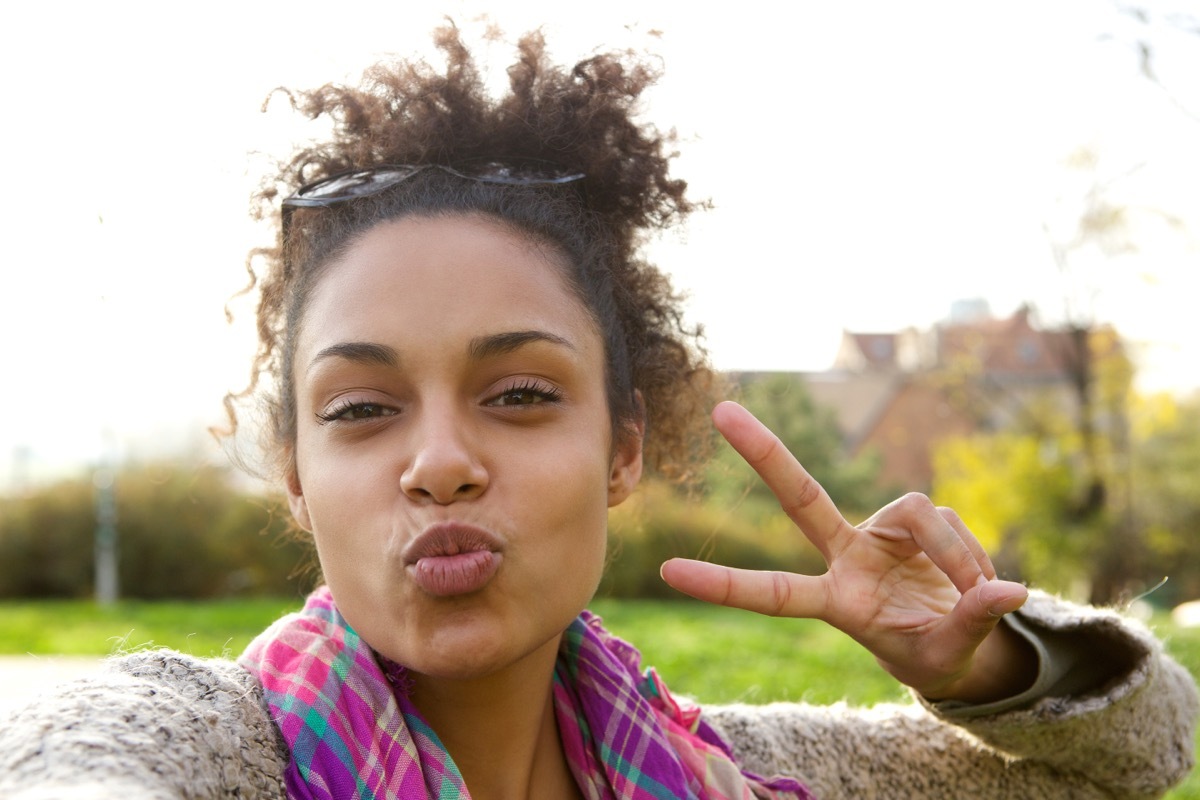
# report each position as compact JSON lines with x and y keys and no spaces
{"x":157,"y":720}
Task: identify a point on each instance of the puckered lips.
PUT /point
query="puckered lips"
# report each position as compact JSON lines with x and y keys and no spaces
{"x":452,"y":558}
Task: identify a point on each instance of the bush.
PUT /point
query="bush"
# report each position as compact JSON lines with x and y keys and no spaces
{"x":183,"y":532}
{"x":658,"y":523}
{"x":46,"y":542}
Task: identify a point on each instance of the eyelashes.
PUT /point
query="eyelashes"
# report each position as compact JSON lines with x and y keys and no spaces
{"x":351,"y":411}
{"x":526,"y":393}
{"x":523,"y":393}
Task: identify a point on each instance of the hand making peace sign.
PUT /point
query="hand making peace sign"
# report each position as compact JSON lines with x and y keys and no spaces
{"x":911,"y":584}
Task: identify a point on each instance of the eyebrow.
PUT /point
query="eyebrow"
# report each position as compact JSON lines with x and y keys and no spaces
{"x":479,"y":348}
{"x":497,"y":344}
{"x":360,"y":353}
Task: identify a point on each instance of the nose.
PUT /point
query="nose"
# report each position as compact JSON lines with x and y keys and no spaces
{"x":445,"y":466}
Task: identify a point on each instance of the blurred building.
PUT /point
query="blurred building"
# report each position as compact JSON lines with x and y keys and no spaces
{"x":900,"y":393}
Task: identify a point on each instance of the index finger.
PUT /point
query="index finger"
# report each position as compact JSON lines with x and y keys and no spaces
{"x":803,"y":499}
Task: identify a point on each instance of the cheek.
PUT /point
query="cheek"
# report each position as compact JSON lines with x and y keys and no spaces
{"x":578,"y":501}
{"x":342,"y":495}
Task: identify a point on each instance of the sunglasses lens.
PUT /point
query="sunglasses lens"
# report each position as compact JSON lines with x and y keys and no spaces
{"x":349,"y":185}
{"x":526,"y":173}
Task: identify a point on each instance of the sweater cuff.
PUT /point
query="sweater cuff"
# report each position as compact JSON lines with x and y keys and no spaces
{"x":1068,"y":665}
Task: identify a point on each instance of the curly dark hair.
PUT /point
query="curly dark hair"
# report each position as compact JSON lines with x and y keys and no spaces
{"x":582,"y":119}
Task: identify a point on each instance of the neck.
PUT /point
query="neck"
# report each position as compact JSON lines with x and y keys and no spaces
{"x":501,"y":730}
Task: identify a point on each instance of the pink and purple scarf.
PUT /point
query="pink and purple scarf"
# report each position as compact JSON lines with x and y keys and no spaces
{"x":353,"y":732}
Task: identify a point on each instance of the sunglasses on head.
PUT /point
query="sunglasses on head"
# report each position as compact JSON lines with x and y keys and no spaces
{"x":352,"y":184}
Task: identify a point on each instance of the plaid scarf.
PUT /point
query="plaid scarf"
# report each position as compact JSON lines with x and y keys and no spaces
{"x":353,"y":731}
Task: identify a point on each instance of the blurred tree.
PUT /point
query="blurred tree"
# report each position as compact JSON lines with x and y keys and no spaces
{"x":1013,"y":490}
{"x":810,"y":432}
{"x":1100,"y":374}
{"x":1165,"y":490}
{"x":1050,"y":492}
{"x":1152,"y":30}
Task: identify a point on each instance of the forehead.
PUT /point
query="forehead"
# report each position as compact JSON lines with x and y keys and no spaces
{"x":424,"y":282}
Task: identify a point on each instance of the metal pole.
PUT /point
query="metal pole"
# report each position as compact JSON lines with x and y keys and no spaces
{"x":107,"y":586}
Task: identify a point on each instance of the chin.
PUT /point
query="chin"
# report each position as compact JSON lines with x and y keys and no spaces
{"x":470,"y":637}
{"x":463,"y":655}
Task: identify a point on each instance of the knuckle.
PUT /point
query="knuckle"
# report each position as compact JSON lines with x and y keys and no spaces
{"x":781,"y":593}
{"x":915,"y":503}
{"x":726,"y":589}
{"x":770,"y":449}
{"x":801,"y":496}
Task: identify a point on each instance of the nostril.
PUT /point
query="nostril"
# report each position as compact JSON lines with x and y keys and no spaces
{"x":443,"y":469}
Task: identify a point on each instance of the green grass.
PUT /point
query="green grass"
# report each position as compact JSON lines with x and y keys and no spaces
{"x":719,"y":655}
{"x":63,"y":627}
{"x":714,"y":654}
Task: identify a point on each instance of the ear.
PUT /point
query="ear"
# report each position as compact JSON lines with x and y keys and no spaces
{"x":296,"y":500}
{"x":626,"y":468}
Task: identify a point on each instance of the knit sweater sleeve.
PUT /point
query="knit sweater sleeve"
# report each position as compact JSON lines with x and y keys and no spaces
{"x":1130,"y":736}
{"x":157,"y":725}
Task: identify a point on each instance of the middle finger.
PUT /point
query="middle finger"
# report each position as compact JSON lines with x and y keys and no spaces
{"x":914,"y":517}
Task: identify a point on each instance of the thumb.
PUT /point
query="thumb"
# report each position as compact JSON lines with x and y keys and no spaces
{"x":982,"y":606}
{"x":995,"y":666}
{"x":998,"y":597}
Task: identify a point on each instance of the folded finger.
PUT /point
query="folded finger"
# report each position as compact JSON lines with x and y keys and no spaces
{"x":981,"y":557}
{"x":915,"y":517}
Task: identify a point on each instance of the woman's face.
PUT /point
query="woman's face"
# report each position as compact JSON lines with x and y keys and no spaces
{"x":454,"y":453}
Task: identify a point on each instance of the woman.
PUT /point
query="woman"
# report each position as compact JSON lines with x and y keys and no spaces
{"x":467,"y":363}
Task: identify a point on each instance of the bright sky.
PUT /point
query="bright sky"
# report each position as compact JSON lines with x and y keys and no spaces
{"x":869,"y":162}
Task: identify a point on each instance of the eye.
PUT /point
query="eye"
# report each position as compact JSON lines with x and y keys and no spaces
{"x":348,"y":411}
{"x":527,"y":393}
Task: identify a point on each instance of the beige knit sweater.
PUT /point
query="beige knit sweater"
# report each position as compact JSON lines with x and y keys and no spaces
{"x":160,"y":724}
